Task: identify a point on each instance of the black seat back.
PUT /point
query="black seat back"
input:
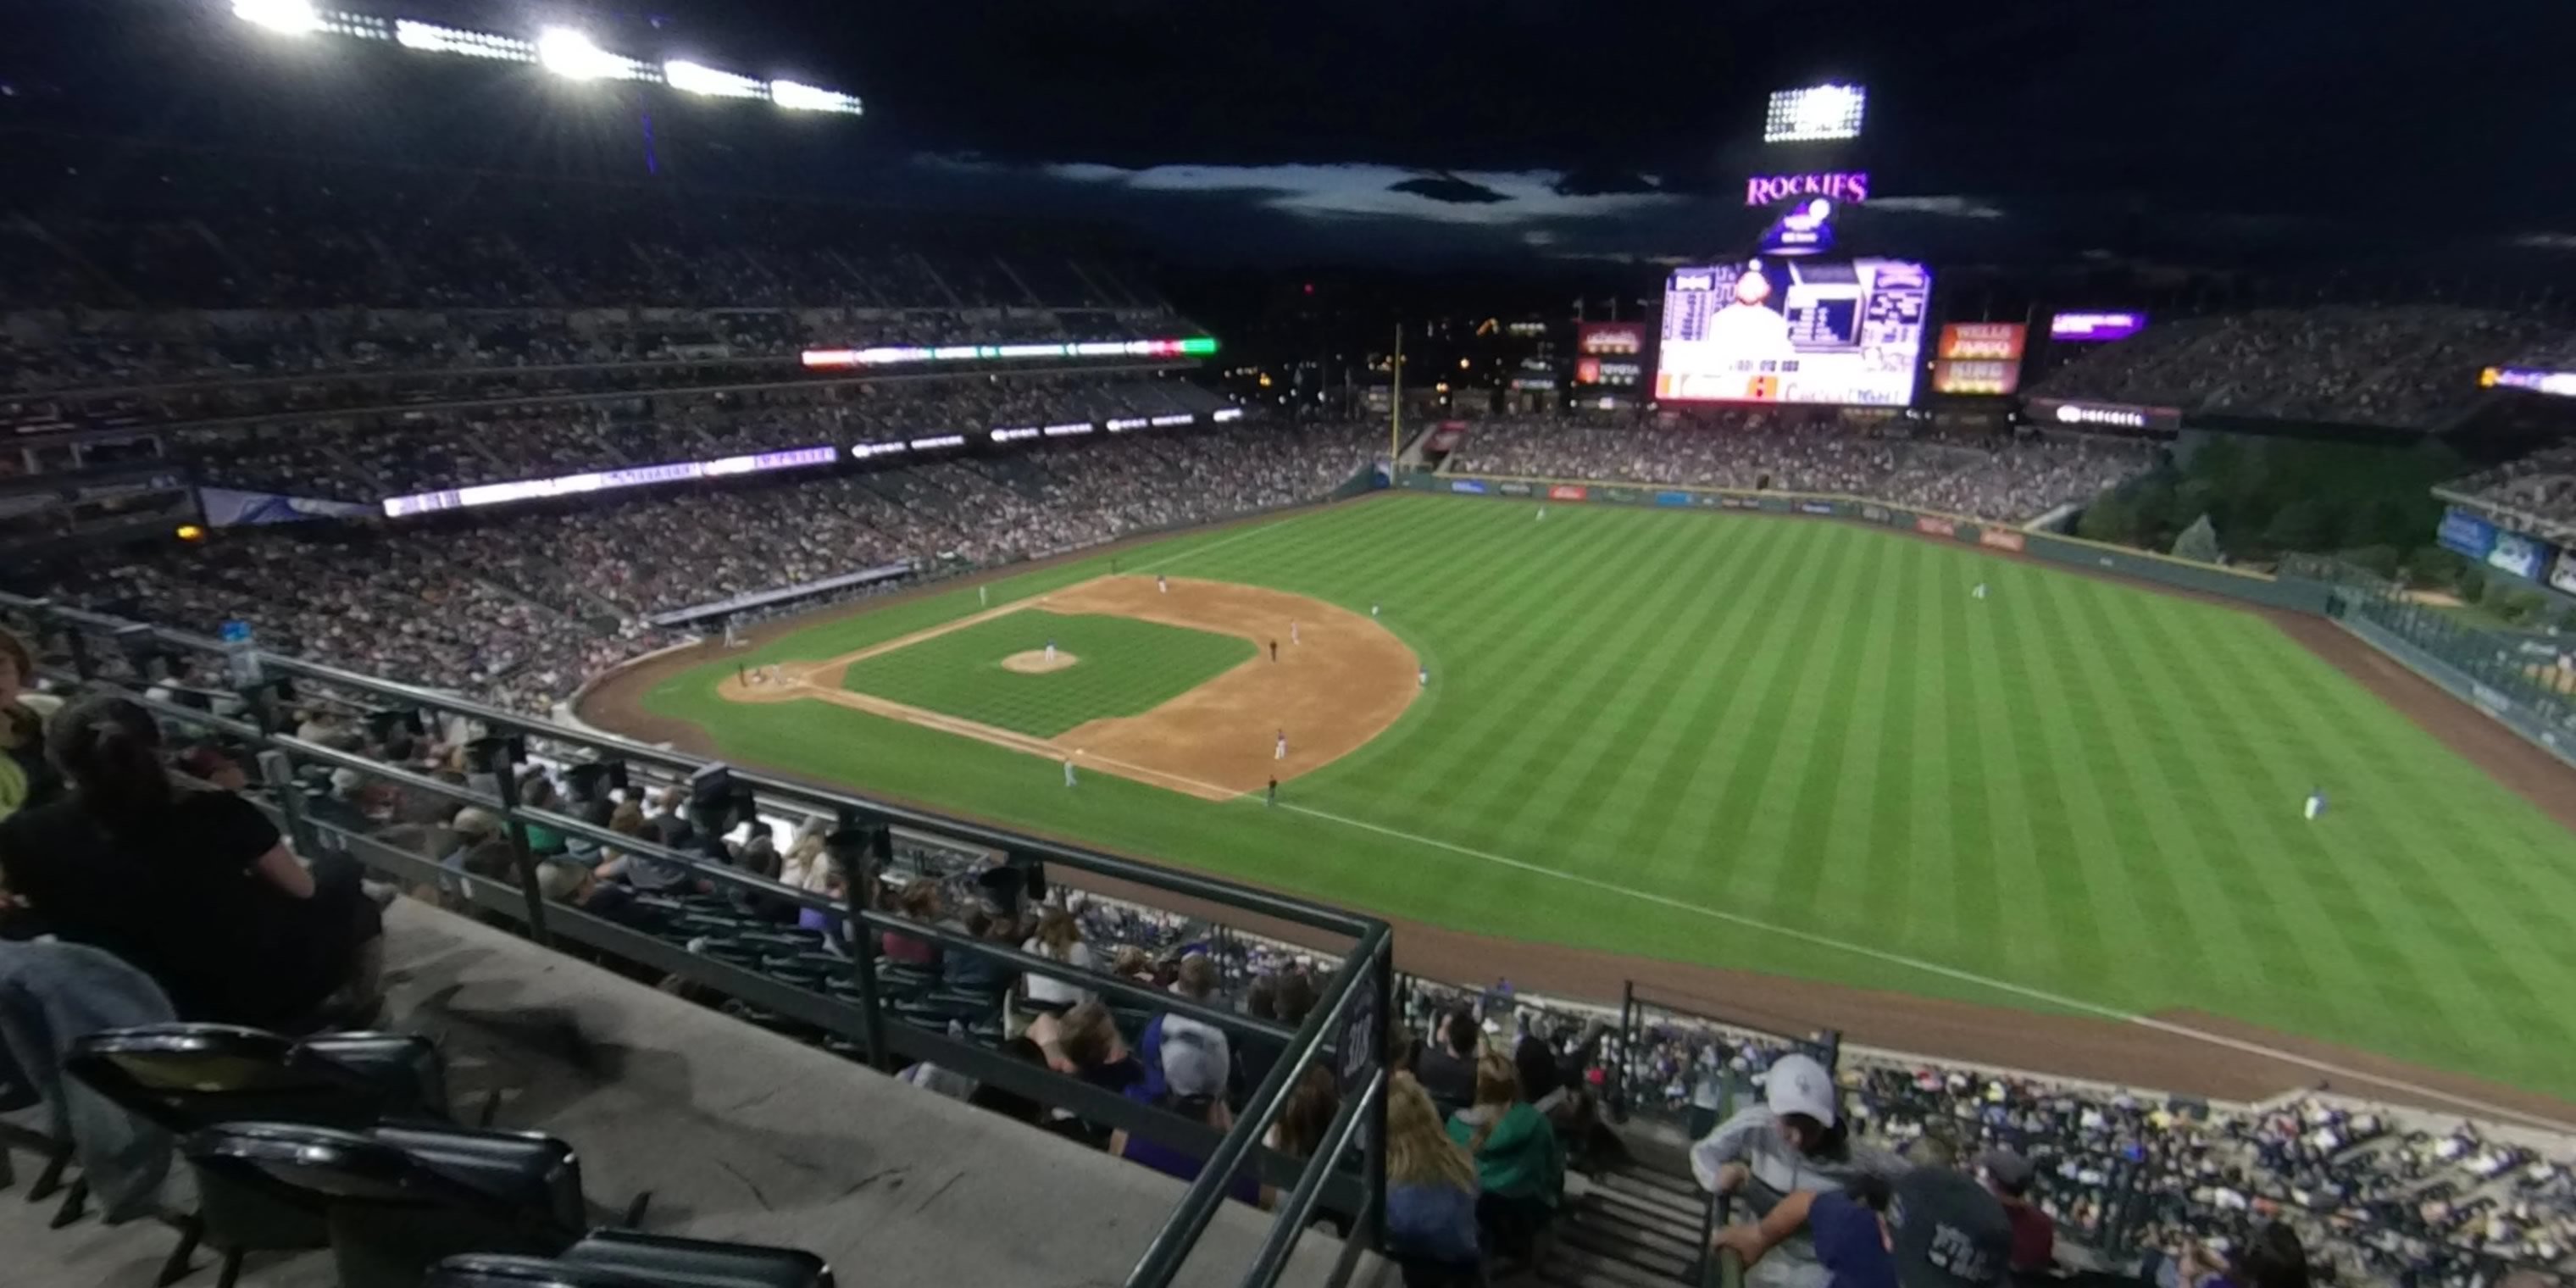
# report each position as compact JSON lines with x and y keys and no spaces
{"x":669,"y":1262}
{"x":188,"y":1076}
{"x":397,"y":1200}
{"x":486,"y":1270}
{"x":626,"y":1259}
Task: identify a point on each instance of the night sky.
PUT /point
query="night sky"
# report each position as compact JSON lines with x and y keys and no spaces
{"x":2313,"y":105}
{"x":1409,"y":130}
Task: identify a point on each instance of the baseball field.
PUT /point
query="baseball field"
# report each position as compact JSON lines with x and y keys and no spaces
{"x":1794,"y":747}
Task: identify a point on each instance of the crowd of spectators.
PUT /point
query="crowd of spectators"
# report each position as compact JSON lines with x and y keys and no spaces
{"x":366,"y":458}
{"x":2121,"y":1172}
{"x":2541,"y":485}
{"x":521,"y":607}
{"x":2411,"y":367}
{"x":2011,"y":478}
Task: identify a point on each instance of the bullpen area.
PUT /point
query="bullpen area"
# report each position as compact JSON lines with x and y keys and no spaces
{"x":1801,"y":763}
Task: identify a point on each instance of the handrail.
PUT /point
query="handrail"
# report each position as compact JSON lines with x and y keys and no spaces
{"x":1347,"y":1024}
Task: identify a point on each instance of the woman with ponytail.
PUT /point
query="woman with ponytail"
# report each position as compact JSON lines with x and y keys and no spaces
{"x":1518,"y":1160}
{"x":190,"y":884}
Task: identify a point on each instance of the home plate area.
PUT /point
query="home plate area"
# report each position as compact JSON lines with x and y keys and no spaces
{"x":1153,"y":681}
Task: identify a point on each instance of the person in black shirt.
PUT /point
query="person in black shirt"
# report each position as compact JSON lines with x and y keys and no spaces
{"x":190,"y":884}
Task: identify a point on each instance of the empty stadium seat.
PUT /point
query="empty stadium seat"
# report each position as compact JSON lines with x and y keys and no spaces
{"x":626,"y":1259}
{"x":397,"y":1200}
{"x":187,"y":1077}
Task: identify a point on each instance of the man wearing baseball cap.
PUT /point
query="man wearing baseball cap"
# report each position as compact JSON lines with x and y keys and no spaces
{"x":1933,"y":1228}
{"x":1797,"y":1141}
{"x":1193,"y":1061}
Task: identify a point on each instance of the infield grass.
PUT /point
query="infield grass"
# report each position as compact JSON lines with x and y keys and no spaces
{"x":1640,"y":721}
{"x":1123,"y":667}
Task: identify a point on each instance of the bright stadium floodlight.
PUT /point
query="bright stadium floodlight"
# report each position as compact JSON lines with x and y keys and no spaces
{"x":571,"y":55}
{"x":430,"y":38}
{"x":697,"y":78}
{"x":286,"y":17}
{"x":1818,"y":113}
{"x":806,"y":98}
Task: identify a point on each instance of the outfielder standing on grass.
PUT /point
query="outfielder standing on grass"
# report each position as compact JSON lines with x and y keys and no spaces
{"x":1068,"y":771}
{"x":1274,"y":793}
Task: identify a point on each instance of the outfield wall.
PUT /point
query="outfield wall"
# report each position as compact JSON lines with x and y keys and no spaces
{"x":2460,"y":684}
{"x":2290,"y":593}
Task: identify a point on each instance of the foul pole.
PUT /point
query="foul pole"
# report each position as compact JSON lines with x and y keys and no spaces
{"x":1395,"y":407}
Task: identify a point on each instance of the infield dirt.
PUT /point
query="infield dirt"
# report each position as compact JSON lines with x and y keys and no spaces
{"x":1324,"y":682}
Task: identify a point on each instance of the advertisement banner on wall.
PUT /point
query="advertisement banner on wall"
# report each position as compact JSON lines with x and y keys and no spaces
{"x":2519,"y":555}
{"x":1814,"y":507}
{"x":1567,"y":492}
{"x":2001,"y":539}
{"x":1975,"y":377}
{"x":1610,"y":339}
{"x":2564,"y":575}
{"x":1515,"y":489}
{"x":2055,"y":411}
{"x":1620,"y":495}
{"x":1473,"y":487}
{"x":1874,"y":513}
{"x":1930,"y":526}
{"x":2001,"y":341}
{"x":2467,"y":534}
{"x":1740,"y":503}
{"x":1672,"y":498}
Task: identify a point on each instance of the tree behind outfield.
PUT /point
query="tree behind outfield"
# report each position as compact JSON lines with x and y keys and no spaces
{"x":2264,"y":497}
{"x":2198,"y":543}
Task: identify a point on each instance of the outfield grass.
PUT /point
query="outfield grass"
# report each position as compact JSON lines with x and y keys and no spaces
{"x":1125,"y":668}
{"x":1641,"y":722}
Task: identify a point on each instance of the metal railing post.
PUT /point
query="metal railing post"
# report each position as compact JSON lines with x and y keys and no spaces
{"x":1619,"y":1068}
{"x":860,"y":852}
{"x":505,"y":779}
{"x":279,"y":774}
{"x":1372,"y":1220}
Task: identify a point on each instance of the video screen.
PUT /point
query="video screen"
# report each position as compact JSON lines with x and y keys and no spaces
{"x":1833,"y":332}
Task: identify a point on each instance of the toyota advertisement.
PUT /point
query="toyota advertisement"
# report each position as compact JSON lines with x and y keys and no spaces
{"x":1833,"y":332}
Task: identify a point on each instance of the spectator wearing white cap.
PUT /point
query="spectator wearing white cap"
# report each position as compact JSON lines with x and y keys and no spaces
{"x":1796,"y":1141}
{"x":1194,"y":1066}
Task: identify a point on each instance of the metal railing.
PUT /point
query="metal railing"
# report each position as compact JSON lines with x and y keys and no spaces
{"x":241,"y":696}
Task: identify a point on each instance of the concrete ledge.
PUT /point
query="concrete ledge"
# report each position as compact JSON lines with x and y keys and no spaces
{"x":739,"y":1134}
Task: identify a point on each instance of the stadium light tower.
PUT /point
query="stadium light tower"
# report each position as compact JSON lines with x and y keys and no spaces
{"x":698,"y":78}
{"x":796,"y":97}
{"x":286,"y":17}
{"x":571,"y":55}
{"x":1816,"y":114}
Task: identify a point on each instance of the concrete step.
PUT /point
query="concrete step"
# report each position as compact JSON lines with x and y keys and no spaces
{"x":1574,"y":1267}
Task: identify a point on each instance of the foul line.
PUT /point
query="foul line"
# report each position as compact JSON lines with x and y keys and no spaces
{"x":2167,"y":1027}
{"x":1213,"y":545}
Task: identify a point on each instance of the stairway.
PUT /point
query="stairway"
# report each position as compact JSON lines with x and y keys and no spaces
{"x":1628,"y":1226}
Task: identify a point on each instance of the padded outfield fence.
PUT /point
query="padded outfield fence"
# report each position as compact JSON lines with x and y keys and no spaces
{"x":750,"y":941}
{"x":2482,"y":668}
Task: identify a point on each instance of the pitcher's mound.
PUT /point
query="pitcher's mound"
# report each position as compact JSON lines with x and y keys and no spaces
{"x":1036,"y":662}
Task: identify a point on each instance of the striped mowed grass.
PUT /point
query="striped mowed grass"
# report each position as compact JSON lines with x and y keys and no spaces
{"x":1638,"y":719}
{"x":1120,"y":667}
